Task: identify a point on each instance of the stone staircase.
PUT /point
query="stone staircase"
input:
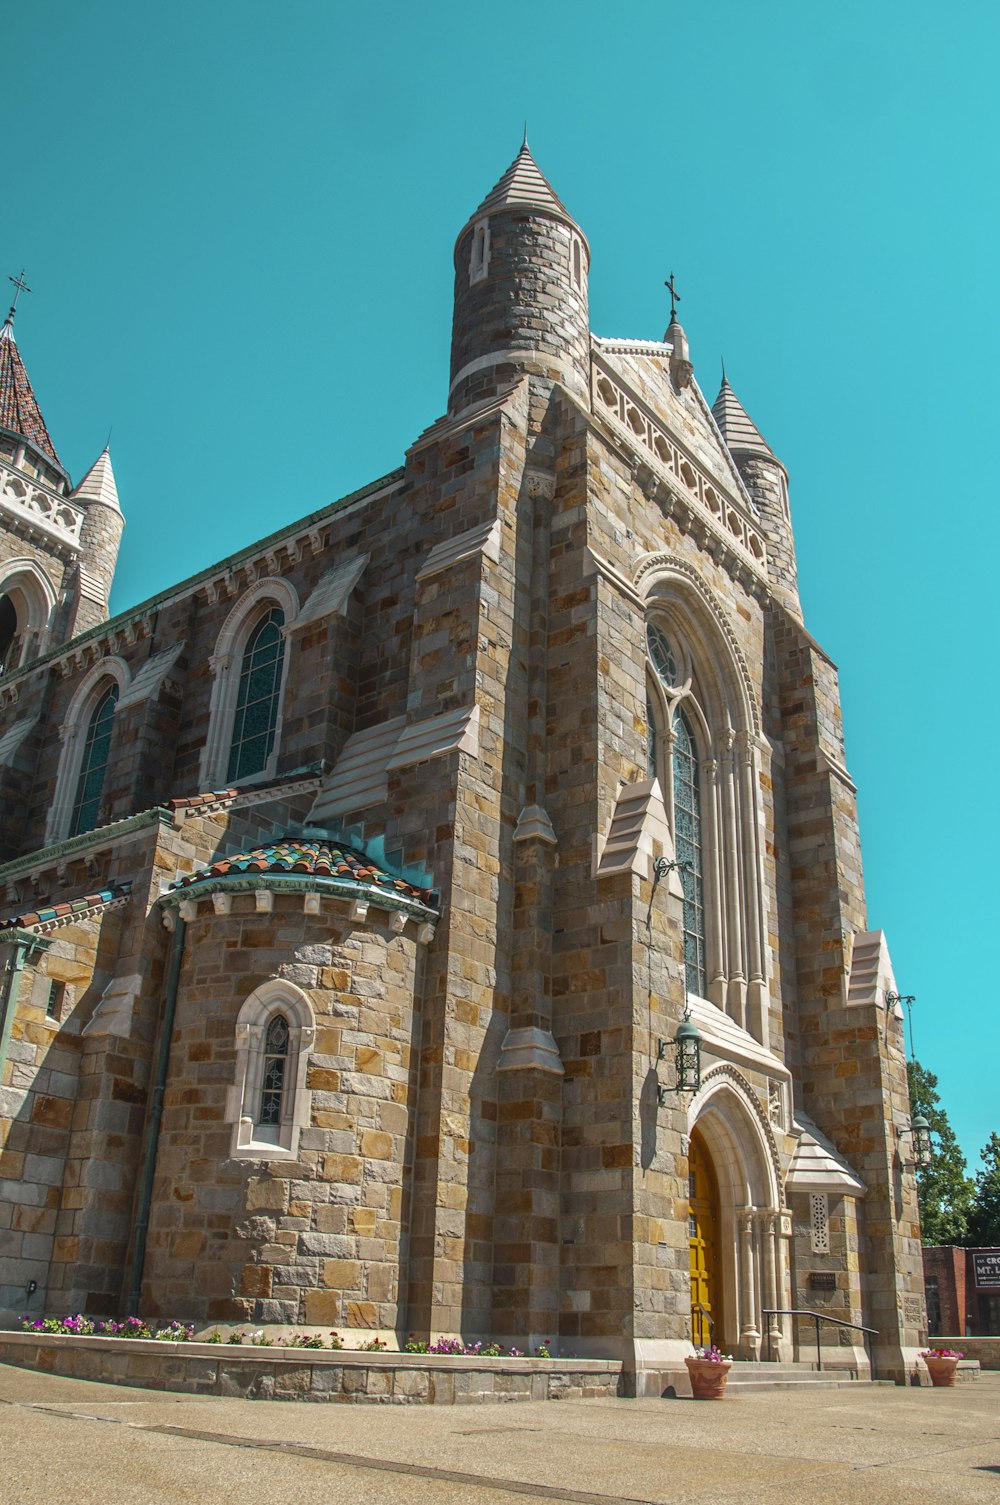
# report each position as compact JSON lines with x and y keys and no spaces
{"x":746,"y":1376}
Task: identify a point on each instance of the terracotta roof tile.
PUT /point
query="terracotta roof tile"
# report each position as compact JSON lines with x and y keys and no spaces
{"x":19,"y":410}
{"x":314,"y":858}
{"x":57,"y":914}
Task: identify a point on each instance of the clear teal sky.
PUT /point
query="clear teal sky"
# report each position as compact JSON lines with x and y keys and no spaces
{"x":238,"y":221}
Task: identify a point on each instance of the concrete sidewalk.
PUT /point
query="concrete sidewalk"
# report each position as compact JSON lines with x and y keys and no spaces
{"x":71,"y":1442}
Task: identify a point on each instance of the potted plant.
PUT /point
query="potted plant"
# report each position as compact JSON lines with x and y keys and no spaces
{"x":941,"y":1364}
{"x":708,"y":1370}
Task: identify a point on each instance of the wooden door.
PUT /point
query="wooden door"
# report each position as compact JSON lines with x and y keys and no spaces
{"x":703,"y":1233}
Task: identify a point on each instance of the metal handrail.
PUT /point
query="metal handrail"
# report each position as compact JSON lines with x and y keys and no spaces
{"x":818,"y":1317}
{"x":699,"y":1306}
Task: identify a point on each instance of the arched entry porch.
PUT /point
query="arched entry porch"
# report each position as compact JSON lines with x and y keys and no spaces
{"x":735,"y":1161}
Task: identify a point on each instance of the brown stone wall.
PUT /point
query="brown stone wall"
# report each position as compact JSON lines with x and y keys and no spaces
{"x":318,"y":1239}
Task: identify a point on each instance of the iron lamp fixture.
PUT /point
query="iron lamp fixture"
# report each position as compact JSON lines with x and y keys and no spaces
{"x":687,"y":1059}
{"x":923,"y":1150}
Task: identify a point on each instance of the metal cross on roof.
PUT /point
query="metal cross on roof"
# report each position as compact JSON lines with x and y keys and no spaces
{"x":675,"y":296}
{"x":20,"y":286}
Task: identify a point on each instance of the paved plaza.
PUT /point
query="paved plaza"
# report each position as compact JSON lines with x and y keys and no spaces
{"x":71,"y":1442}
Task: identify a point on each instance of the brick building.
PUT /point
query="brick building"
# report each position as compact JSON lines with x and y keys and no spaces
{"x":351,"y":885}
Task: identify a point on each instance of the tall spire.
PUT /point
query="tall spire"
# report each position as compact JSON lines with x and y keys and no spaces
{"x":20,"y":414}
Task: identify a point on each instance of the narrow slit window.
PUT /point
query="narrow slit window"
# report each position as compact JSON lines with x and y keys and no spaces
{"x":275,"y":1072}
{"x":688,"y":846}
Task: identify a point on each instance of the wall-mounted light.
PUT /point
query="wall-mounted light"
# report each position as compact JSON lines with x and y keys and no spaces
{"x":687,"y":1059}
{"x":920,"y":1129}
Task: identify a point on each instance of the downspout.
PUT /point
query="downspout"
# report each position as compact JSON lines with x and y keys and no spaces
{"x":26,"y":945}
{"x":144,"y":1198}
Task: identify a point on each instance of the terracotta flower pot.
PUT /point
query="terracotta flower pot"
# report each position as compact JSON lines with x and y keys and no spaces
{"x":941,"y":1371}
{"x":708,"y":1378}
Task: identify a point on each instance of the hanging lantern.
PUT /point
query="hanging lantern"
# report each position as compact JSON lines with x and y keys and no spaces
{"x":687,"y":1058}
{"x":923,"y":1150}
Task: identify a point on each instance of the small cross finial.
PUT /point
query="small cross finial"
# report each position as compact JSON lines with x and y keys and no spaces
{"x":675,"y":296}
{"x":20,"y":286}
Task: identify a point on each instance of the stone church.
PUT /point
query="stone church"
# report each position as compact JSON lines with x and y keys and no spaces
{"x":357,"y":890}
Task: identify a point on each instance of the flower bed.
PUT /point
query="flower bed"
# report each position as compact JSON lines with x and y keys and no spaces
{"x":261,"y":1368}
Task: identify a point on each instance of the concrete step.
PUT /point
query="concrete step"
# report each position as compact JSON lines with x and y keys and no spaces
{"x":748,"y":1376}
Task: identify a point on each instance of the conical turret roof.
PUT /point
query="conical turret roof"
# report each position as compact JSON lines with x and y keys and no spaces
{"x":525,"y":186}
{"x":19,"y":410}
{"x":98,"y":485}
{"x":736,"y":426}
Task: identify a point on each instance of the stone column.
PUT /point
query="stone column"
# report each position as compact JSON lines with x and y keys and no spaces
{"x":749,"y":1331}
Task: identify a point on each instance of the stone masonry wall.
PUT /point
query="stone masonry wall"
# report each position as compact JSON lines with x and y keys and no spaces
{"x":319,"y":1239}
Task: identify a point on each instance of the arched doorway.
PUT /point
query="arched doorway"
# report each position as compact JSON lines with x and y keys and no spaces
{"x":703,"y":1237}
{"x":745,"y":1273}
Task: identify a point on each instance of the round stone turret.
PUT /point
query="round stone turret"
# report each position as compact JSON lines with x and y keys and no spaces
{"x":521,"y":266}
{"x":100,"y":537}
{"x":766,"y":479}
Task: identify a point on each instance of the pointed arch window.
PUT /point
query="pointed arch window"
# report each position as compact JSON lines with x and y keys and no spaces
{"x":269,"y":1104}
{"x":93,"y":766}
{"x":256,"y":719}
{"x":688,"y":845}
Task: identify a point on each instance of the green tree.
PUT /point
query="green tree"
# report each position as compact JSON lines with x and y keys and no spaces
{"x":944,"y":1191}
{"x":984,"y":1216}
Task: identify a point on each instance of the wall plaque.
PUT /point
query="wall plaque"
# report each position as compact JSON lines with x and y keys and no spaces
{"x":822,"y":1280}
{"x":986,"y":1263}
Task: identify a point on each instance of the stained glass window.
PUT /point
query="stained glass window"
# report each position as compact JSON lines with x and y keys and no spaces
{"x":257,"y":700}
{"x":97,"y":745}
{"x":662,"y":655}
{"x":687,"y":842}
{"x":275,"y":1066}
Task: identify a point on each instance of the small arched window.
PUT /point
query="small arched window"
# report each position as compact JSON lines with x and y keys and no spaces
{"x":256,"y":718}
{"x":688,"y":847}
{"x":274,"y":1073}
{"x":94,"y":763}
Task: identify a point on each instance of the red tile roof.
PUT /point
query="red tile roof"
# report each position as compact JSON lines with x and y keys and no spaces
{"x":53,"y":915}
{"x":312,"y":858}
{"x":19,"y":410}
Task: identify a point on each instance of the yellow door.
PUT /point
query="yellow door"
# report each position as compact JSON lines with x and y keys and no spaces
{"x":703,"y":1232}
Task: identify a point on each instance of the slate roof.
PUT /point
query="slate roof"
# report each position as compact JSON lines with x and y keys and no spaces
{"x":196,"y":804}
{"x":523,"y":185}
{"x":51,"y":916}
{"x":19,"y":410}
{"x":736,"y":426}
{"x":98,"y":485}
{"x":305,"y":857}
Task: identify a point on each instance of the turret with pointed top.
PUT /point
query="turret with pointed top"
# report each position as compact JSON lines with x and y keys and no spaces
{"x":767,"y":481}
{"x":521,"y":266}
{"x":24,"y":438}
{"x":100,"y":537}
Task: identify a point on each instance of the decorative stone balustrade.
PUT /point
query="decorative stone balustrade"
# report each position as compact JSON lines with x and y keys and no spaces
{"x":31,"y":501}
{"x":688,"y":481}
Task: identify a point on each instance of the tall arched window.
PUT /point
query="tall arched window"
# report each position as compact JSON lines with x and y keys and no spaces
{"x":94,"y":763}
{"x":676,"y":766}
{"x":688,"y":847}
{"x":257,"y":698}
